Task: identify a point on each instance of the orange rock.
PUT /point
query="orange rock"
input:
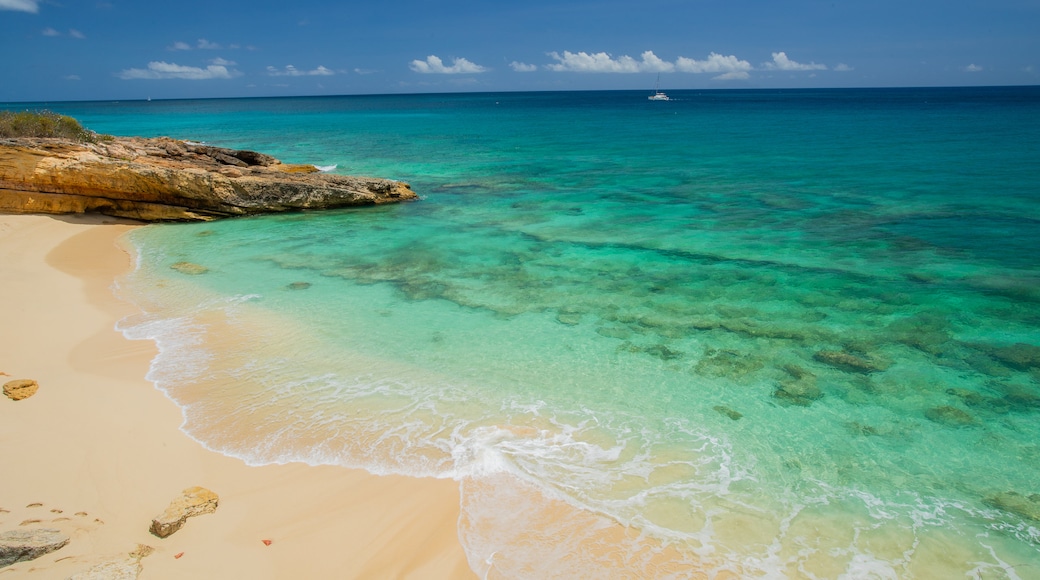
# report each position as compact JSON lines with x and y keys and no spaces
{"x":193,"y":501}
{"x":178,"y":555}
{"x":266,"y":542}
{"x":163,"y":179}
{"x":20,"y":389}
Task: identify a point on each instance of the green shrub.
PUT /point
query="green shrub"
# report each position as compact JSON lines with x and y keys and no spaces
{"x":43,"y":124}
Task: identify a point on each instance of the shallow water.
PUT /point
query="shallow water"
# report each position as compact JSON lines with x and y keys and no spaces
{"x":756,"y":333}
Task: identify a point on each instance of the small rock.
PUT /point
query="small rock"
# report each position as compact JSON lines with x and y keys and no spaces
{"x":24,"y":545}
{"x":193,"y":501}
{"x":299,"y":286}
{"x":142,"y":551}
{"x":20,"y":389}
{"x":189,"y":268}
{"x":266,"y":542}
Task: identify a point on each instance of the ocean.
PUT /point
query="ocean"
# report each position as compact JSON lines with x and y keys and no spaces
{"x":750,"y":333}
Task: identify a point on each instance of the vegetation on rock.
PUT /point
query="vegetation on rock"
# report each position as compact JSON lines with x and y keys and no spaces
{"x":44,"y":124}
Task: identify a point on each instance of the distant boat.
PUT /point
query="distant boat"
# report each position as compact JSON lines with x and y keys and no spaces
{"x":658,"y":95}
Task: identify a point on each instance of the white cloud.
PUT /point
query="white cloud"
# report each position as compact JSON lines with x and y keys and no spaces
{"x":204,"y":44}
{"x":222,"y":62}
{"x":602,"y":62}
{"x":50,"y":32}
{"x":730,"y":66}
{"x":291,"y":71}
{"x":71,"y":77}
{"x":781,"y":62}
{"x":726,"y":67}
{"x":20,"y":5}
{"x":169,"y":70}
{"x":76,"y":34}
{"x":737,"y":75}
{"x":523,"y":67}
{"x":434,"y":64}
{"x":973,"y":68}
{"x":179,"y":46}
{"x":842,"y":67}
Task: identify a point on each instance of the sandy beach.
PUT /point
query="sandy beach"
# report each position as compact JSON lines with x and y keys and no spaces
{"x":97,"y":452}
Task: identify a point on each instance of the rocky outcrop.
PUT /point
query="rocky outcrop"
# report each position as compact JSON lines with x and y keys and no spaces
{"x":24,"y":545}
{"x":193,"y":501}
{"x":165,"y":179}
{"x":20,"y":389}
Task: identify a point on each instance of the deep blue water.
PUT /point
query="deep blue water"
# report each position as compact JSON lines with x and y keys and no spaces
{"x":764,"y":333}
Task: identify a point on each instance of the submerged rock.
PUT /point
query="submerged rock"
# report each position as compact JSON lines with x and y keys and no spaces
{"x":20,"y":389}
{"x":24,"y":545}
{"x":1019,"y":356}
{"x":298,"y":286}
{"x":164,"y":179}
{"x":848,"y":362}
{"x":663,"y":352}
{"x":193,"y":501}
{"x":948,"y":415}
{"x":724,"y":410}
{"x":189,"y":268}
{"x":1026,"y":506}
{"x":801,"y":392}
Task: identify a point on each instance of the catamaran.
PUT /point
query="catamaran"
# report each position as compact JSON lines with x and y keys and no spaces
{"x":658,"y":95}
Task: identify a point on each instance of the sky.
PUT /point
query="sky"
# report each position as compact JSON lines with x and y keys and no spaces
{"x":65,"y":50}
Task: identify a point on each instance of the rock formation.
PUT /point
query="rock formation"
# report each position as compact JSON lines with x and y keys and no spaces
{"x":20,"y":389}
{"x":193,"y":501}
{"x":24,"y":545}
{"x":164,"y":179}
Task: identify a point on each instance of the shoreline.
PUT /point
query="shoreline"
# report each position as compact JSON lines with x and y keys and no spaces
{"x":99,"y":439}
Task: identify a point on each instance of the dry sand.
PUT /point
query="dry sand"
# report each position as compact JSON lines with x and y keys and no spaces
{"x":98,"y":447}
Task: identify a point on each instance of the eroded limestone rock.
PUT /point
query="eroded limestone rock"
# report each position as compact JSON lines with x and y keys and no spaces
{"x":24,"y":545}
{"x":193,"y":501}
{"x":168,"y":180}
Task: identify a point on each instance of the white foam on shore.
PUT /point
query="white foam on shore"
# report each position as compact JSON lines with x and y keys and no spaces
{"x":326,"y":168}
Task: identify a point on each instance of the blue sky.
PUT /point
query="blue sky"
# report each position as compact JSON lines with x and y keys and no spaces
{"x":57,"y":50}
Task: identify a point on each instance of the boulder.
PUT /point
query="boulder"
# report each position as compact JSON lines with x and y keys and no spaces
{"x":164,"y":179}
{"x":24,"y":545}
{"x":193,"y":501}
{"x":20,"y":389}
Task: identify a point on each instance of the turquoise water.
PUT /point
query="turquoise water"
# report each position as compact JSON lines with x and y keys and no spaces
{"x":738,"y":334}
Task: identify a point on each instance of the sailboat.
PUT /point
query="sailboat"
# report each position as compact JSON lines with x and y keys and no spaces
{"x":658,"y":95}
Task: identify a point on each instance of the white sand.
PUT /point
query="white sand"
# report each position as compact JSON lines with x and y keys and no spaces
{"x":98,"y":439}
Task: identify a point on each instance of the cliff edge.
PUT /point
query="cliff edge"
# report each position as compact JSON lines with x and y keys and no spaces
{"x":165,"y":179}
